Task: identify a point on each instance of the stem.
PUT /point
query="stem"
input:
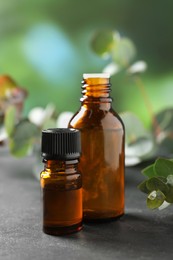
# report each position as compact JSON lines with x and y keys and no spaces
{"x":148,"y":104}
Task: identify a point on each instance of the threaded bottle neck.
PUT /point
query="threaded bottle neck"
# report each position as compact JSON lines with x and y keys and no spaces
{"x":96,"y":87}
{"x":61,"y":166}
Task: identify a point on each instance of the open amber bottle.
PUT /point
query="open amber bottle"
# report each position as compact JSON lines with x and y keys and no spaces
{"x":102,"y":158}
{"x":61,"y":181}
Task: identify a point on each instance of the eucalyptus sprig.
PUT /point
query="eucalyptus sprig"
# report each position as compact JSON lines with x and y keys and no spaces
{"x":159,"y":183}
{"x":24,"y":134}
{"x":141,"y":144}
{"x":21,"y":134}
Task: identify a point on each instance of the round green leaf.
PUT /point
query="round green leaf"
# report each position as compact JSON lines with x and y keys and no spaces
{"x":155,"y":199}
{"x":143,"y":187}
{"x":10,"y":119}
{"x":169,"y":194}
{"x":156,"y":184}
{"x":165,"y":137}
{"x":149,"y":171}
{"x":23,"y":138}
{"x":165,"y":119}
{"x":170,"y":179}
{"x":137,"y":68}
{"x":123,"y":52}
{"x":134,"y":127}
{"x":163,"y":167}
{"x":164,"y":179}
{"x":20,"y":149}
{"x":103,"y":42}
{"x":50,"y":123}
{"x":139,"y":142}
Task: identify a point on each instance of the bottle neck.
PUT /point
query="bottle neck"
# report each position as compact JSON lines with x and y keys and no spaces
{"x":96,"y":90}
{"x":61,"y":167}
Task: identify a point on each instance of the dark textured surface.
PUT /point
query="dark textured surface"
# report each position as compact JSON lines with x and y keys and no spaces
{"x":139,"y":234}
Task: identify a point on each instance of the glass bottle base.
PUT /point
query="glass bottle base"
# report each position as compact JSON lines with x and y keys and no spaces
{"x":60,"y":231}
{"x":98,"y":217}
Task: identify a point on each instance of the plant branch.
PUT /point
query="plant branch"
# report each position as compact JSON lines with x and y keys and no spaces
{"x":141,"y":87}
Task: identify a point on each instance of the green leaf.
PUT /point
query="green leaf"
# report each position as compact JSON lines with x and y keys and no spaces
{"x":170,"y":180}
{"x":169,"y":194}
{"x":123,"y":52}
{"x":164,"y":179}
{"x":164,"y":205}
{"x":149,"y":171}
{"x":10,"y":119}
{"x":143,"y":187}
{"x":134,"y":127}
{"x":165,"y":142}
{"x":165,"y":119}
{"x":163,"y":167}
{"x":23,"y":138}
{"x":156,"y":184}
{"x":139,"y":142}
{"x":137,"y":67}
{"x":50,"y":123}
{"x":20,"y":149}
{"x":155,"y":199}
{"x":165,"y":137}
{"x":103,"y":42}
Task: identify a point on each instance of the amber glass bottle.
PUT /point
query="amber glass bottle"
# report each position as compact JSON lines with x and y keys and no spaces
{"x":102,"y":158}
{"x":61,"y":181}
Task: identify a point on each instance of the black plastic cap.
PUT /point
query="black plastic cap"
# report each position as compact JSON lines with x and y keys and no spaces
{"x":61,"y":144}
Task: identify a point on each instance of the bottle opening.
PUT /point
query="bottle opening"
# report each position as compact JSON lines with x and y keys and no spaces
{"x":95,"y":75}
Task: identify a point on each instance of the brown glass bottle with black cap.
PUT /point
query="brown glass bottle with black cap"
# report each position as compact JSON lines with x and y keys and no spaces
{"x":102,"y":158}
{"x":61,"y":181}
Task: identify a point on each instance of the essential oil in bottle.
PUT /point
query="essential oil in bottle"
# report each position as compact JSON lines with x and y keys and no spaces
{"x":61,"y":181}
{"x":102,"y":159}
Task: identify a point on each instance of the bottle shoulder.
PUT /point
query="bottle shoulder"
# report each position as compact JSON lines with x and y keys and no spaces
{"x":89,"y":117}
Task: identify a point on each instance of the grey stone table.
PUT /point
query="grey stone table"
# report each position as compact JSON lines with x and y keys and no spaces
{"x":139,"y":234}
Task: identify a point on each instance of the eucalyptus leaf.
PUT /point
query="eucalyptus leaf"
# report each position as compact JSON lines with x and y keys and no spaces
{"x":23,"y":137}
{"x":170,"y":180}
{"x":156,"y":184}
{"x":149,"y":171}
{"x":134,"y":127}
{"x":137,"y":67}
{"x":139,"y":142}
{"x":143,"y":187}
{"x":103,"y":42}
{"x":3,"y":134}
{"x":164,"y":205}
{"x":40,"y":116}
{"x":163,"y":167}
{"x":10,"y":119}
{"x":123,"y":52}
{"x":131,"y":160}
{"x":159,"y":183}
{"x":165,"y":142}
{"x":50,"y":123}
{"x":111,"y":69}
{"x":165,"y":137}
{"x":165,"y":119}
{"x":169,"y":194}
{"x":142,"y":147}
{"x":164,"y":179}
{"x":20,"y":149}
{"x":155,"y":199}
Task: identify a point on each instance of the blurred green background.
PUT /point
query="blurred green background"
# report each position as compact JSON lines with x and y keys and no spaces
{"x":45,"y":47}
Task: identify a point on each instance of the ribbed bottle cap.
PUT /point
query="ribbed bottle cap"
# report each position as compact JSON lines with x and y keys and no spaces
{"x":61,"y":144}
